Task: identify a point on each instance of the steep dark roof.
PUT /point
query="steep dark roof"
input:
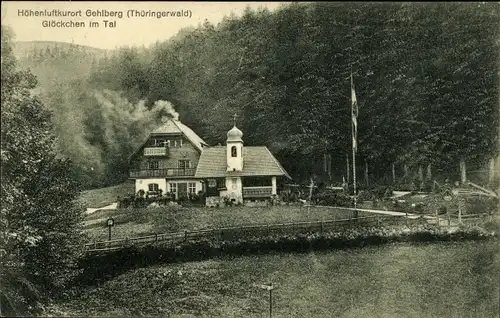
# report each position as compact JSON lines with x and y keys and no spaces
{"x":175,"y":126}
{"x":257,"y":161}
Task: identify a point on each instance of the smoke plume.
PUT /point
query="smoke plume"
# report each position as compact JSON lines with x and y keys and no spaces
{"x":167,"y":107}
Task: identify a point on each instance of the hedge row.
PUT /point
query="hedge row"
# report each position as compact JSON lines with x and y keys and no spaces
{"x":101,"y":267}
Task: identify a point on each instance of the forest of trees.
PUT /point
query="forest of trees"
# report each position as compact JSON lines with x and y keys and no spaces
{"x":426,"y":77}
{"x":40,"y":221}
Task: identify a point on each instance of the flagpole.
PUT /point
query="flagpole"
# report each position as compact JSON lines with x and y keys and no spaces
{"x":353,"y":148}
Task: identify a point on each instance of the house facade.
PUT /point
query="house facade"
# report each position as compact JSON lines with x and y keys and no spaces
{"x":174,"y":159}
{"x":167,"y":160}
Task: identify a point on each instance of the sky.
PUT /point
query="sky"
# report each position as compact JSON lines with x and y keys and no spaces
{"x":128,"y":30}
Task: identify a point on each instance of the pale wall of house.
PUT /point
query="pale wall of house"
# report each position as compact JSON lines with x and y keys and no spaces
{"x":274,"y":186}
{"x":199,"y":185}
{"x":142,"y":184}
{"x":234,"y":188}
{"x":164,"y":185}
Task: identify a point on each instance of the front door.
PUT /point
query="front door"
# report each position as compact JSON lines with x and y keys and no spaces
{"x":182,"y":190}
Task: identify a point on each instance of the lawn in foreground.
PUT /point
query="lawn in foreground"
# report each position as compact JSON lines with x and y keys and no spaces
{"x":399,"y":280}
{"x":136,"y":222}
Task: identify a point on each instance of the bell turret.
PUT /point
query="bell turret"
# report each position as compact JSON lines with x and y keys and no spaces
{"x":234,"y":145}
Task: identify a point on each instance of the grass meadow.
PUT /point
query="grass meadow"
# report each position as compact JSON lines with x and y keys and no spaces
{"x":135,"y":222}
{"x":394,"y":280}
{"x":98,"y":198}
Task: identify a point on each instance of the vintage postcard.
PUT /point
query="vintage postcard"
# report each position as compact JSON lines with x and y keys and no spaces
{"x":250,"y":159}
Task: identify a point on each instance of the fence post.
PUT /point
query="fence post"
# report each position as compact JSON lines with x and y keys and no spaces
{"x":378,"y":219}
{"x":449,"y":220}
{"x":437,"y":216}
{"x":156,"y":237}
{"x":406,"y":218}
{"x":459,"y":215}
{"x":185,"y":236}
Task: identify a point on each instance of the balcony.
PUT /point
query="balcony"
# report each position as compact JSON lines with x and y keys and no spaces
{"x":162,"y":173}
{"x":155,"y":151}
{"x":257,"y":192}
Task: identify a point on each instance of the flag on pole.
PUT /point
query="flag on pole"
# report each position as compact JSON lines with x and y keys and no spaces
{"x":354,"y":103}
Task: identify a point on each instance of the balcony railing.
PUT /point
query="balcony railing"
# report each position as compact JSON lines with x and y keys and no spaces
{"x":162,"y":173}
{"x":155,"y":151}
{"x":257,"y":192}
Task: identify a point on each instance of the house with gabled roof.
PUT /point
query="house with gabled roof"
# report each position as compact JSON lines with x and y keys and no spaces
{"x":175,"y":159}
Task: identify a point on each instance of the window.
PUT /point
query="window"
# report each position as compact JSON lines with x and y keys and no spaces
{"x":212,"y":183}
{"x":184,"y":164}
{"x":178,"y":143}
{"x":234,"y":151}
{"x":173,"y":187}
{"x":235,"y":183}
{"x":153,"y":187}
{"x":221,"y":183}
{"x":160,"y":143}
{"x":153,"y":164}
{"x":192,"y":187}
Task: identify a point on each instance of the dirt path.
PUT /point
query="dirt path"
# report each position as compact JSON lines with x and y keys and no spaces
{"x":429,"y":218}
{"x":112,"y":206}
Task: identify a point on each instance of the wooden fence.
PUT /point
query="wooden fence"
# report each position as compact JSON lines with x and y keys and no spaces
{"x":258,"y":230}
{"x":246,"y":231}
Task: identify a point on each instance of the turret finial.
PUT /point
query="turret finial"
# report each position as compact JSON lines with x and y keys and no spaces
{"x":234,"y":118}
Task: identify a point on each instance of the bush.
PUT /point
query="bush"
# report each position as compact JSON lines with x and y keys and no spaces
{"x":102,"y":266}
{"x":376,"y":193}
{"x":331,"y":198}
{"x":480,"y":205}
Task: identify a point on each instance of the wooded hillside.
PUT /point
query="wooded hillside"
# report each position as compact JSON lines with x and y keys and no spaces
{"x":426,"y":77}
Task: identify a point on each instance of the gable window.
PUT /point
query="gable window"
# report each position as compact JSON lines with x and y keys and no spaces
{"x":184,"y":164}
{"x":235,"y":183}
{"x":153,"y":187}
{"x":178,"y":143}
{"x":160,"y":143}
{"x":234,"y":151}
{"x":153,"y":164}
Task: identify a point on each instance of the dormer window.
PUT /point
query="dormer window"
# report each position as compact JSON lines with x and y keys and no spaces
{"x":234,"y":151}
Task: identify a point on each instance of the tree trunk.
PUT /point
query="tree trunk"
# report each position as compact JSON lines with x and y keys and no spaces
{"x":330,"y":167}
{"x":366,"y":173}
{"x":420,"y":174}
{"x":463,"y":171}
{"x":429,"y":172}
{"x":348,"y":169}
{"x":491,"y":174}
{"x":393,"y":173}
